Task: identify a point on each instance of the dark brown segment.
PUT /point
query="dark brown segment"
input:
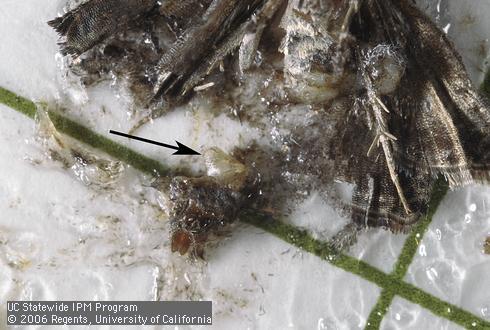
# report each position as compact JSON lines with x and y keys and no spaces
{"x":95,"y":20}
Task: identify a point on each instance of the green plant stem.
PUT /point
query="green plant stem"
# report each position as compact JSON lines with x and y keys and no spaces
{"x":391,"y":284}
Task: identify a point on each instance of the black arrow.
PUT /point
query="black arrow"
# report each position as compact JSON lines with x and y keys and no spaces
{"x":181,"y":149}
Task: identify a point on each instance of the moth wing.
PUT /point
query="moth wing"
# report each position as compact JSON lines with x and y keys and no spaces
{"x":94,"y":21}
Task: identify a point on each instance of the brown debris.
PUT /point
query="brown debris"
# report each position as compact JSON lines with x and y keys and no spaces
{"x":486,"y":246}
{"x":380,"y":99}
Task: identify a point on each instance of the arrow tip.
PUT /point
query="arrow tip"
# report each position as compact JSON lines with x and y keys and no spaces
{"x":184,"y":150}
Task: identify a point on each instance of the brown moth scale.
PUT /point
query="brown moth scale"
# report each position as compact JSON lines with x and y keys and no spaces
{"x":94,"y":21}
{"x":486,"y":246}
{"x":200,"y":206}
{"x":364,"y":101}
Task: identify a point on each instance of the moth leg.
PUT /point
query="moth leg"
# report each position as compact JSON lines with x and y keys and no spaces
{"x":200,"y":43}
{"x":379,"y":112}
{"x":250,"y":41}
{"x":168,"y":82}
{"x":231,"y":42}
{"x":375,"y":201}
{"x":95,"y":20}
{"x":346,"y":237}
{"x":181,"y":14}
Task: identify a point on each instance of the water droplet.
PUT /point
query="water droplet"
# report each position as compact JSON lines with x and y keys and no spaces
{"x":485,"y":312}
{"x":472,"y":207}
{"x":321,"y":324}
{"x":438,"y":234}
{"x":446,"y":28}
{"x":432,"y":274}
